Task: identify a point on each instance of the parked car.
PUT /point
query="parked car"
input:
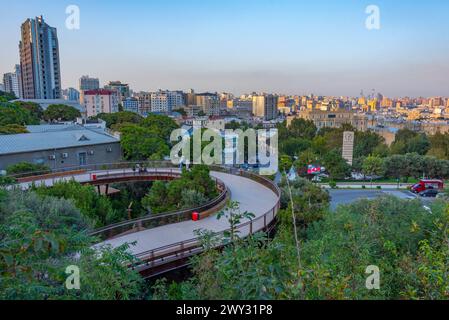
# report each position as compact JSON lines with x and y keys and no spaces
{"x":429,"y":193}
{"x":426,"y":185}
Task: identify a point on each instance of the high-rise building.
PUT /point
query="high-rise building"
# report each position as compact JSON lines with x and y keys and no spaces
{"x":12,"y":82}
{"x":121,"y":88}
{"x":100,"y":101}
{"x":265,"y":106}
{"x":144,"y":102}
{"x":71,"y":94}
{"x":88,"y":83}
{"x":209,"y":102}
{"x":39,"y":60}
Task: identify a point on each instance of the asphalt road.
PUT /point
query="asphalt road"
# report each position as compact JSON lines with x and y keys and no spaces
{"x":342,"y":197}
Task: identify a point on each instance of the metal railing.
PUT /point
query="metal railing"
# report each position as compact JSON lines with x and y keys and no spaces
{"x":156,"y":220}
{"x":184,"y":249}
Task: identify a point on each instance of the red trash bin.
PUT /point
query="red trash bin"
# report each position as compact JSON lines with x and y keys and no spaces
{"x":94,"y":177}
{"x":195,"y":216}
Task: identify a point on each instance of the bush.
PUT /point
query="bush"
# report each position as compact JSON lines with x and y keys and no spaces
{"x":333,"y":184}
{"x":23,"y":169}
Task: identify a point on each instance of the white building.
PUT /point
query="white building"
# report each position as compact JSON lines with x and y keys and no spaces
{"x":100,"y":101}
{"x":11,"y":82}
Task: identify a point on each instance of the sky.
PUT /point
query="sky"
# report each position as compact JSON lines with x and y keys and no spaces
{"x":241,"y":46}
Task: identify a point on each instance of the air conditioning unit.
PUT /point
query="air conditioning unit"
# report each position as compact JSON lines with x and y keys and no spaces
{"x":52,"y":157}
{"x":64,"y":155}
{"x":91,"y":152}
{"x":109,"y":149}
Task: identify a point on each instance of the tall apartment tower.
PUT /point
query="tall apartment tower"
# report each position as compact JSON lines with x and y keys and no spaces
{"x":39,"y":60}
{"x":265,"y":106}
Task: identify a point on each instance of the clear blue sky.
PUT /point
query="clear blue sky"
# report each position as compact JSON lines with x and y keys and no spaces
{"x":283,"y":46}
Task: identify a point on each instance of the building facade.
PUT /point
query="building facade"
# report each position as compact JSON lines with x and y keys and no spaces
{"x":12,"y":82}
{"x":100,"y":101}
{"x":332,"y":119}
{"x":265,"y":106}
{"x":131,"y":104}
{"x":60,"y":146}
{"x":39,"y":60}
{"x":209,"y":102}
{"x":88,"y":83}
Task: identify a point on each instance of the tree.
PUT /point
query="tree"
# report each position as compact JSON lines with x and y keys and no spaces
{"x":6,"y":96}
{"x":45,"y":235}
{"x":373,"y":165}
{"x":118,"y":119}
{"x":300,"y":128}
{"x":14,"y":114}
{"x":61,"y":112}
{"x":408,"y":141}
{"x":366,"y":143}
{"x":13,"y":129}
{"x":34,"y":108}
{"x":161,"y":126}
{"x":337,"y":167}
{"x":142,"y":143}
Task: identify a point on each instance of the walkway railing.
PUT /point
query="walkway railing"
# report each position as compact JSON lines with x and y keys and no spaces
{"x":157,"y":220}
{"x":184,"y":249}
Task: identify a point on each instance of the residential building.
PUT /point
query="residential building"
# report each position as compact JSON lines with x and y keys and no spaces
{"x":88,"y":83}
{"x":60,"y":146}
{"x":209,"y":102}
{"x":144,"y":99}
{"x":332,"y":119}
{"x":265,"y":106}
{"x":39,"y":60}
{"x":71,"y":94}
{"x":121,"y":88}
{"x":100,"y":101}
{"x":131,"y":104}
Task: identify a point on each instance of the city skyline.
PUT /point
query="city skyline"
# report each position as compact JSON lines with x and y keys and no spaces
{"x":285,"y":47}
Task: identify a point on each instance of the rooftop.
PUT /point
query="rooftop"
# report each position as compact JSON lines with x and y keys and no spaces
{"x":49,"y":137}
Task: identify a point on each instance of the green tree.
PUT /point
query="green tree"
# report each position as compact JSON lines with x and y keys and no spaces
{"x":13,"y":114}
{"x":337,"y":167}
{"x":61,"y":112}
{"x":142,"y":143}
{"x":373,"y":165}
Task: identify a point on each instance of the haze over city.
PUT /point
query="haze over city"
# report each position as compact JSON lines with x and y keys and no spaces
{"x":289,"y":47}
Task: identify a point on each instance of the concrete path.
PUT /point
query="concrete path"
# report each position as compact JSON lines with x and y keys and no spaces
{"x":252,"y":196}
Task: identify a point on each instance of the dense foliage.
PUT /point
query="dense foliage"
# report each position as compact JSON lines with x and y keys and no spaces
{"x":194,"y":188}
{"x":41,"y":237}
{"x":408,"y":244}
{"x":95,"y":208}
{"x":26,"y":168}
{"x":60,"y":112}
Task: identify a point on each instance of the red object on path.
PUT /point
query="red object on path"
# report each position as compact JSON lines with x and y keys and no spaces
{"x":195,"y":216}
{"x":94,"y":177}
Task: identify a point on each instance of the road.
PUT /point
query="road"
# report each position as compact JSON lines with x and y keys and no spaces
{"x":342,"y":197}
